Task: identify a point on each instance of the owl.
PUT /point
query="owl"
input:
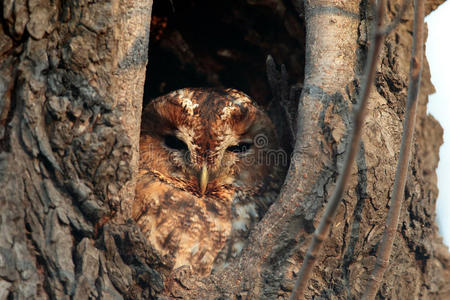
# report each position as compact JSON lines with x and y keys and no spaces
{"x":209,"y":168}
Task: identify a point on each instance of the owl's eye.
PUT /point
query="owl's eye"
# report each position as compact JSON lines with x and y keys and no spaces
{"x":173,"y":142}
{"x":240,"y":148}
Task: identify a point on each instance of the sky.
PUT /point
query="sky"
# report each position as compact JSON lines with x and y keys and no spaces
{"x":438,"y":55}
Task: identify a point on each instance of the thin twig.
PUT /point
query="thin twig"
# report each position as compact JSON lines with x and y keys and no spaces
{"x":398,"y":193}
{"x":283,"y":94}
{"x":387,"y":29}
{"x":327,"y":219}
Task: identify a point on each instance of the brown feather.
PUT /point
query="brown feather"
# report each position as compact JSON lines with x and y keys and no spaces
{"x":204,"y":231}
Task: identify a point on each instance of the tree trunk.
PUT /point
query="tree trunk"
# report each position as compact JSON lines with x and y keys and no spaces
{"x":72,"y":80}
{"x":72,"y":76}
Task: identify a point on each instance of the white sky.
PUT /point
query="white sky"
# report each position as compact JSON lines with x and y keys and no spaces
{"x":438,"y":54}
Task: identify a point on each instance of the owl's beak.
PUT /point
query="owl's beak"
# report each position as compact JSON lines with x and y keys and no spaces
{"x":203,"y":179}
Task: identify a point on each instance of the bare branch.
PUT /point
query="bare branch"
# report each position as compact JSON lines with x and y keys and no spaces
{"x":283,"y":97}
{"x":415,"y":73}
{"x":352,"y":148}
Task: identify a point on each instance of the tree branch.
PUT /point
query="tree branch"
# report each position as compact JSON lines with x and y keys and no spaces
{"x":415,"y":73}
{"x":352,"y":148}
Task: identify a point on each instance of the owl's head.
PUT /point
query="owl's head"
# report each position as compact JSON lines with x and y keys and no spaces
{"x":205,"y":140}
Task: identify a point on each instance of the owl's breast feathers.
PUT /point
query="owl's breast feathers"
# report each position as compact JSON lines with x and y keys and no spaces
{"x":192,"y":229}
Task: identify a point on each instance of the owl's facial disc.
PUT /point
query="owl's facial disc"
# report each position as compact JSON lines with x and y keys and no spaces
{"x":203,"y":166}
{"x":209,"y":137}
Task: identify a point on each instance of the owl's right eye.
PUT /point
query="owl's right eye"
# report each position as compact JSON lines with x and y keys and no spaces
{"x":175,"y":143}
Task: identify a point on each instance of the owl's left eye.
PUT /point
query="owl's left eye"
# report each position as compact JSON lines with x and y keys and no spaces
{"x":173,"y":142}
{"x":240,"y":148}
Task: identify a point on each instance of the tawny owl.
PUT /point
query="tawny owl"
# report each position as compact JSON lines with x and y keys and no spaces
{"x":210,"y":166}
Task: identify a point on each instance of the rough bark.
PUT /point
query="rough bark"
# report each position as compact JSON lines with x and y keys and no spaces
{"x":70,"y":93}
{"x":72,"y":77}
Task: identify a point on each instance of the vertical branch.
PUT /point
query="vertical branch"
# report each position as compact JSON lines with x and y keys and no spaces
{"x":415,"y":73}
{"x":352,"y":148}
